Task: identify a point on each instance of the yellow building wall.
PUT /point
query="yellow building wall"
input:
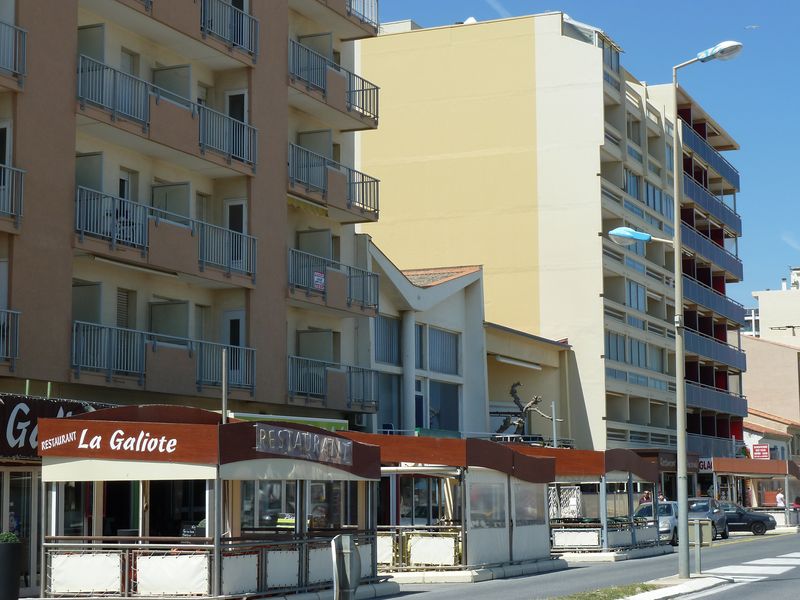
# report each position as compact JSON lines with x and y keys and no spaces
{"x":458,"y":103}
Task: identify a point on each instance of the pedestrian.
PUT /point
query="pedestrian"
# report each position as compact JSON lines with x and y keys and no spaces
{"x":780,"y":500}
{"x":796,"y":503}
{"x":661,"y":497}
{"x":645,"y":498}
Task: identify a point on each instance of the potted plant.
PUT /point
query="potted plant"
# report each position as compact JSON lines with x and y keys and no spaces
{"x":10,"y":561}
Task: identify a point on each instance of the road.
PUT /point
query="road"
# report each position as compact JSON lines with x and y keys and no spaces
{"x":772,"y":578}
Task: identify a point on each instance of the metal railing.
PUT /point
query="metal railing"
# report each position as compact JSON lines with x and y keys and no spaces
{"x":704,"y":295}
{"x":128,"y":97}
{"x":122,"y":351}
{"x":226,"y":135}
{"x":13,"y":48}
{"x":709,"y":347}
{"x":125,"y":222}
{"x":403,"y":556}
{"x":233,"y":26}
{"x":362,"y":387}
{"x":362,"y":191}
{"x":308,"y":272}
{"x":706,"y":445}
{"x":12,"y":188}
{"x":708,"y":397}
{"x":708,"y":153}
{"x":712,"y":251}
{"x":365,"y":10}
{"x":312,"y":67}
{"x":711,"y":204}
{"x":308,"y":378}
{"x":9,"y":335}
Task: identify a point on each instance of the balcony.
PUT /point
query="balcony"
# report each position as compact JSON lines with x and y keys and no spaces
{"x":710,"y":398}
{"x":701,"y":294}
{"x":329,"y":283}
{"x":163,"y":238}
{"x":713,"y":349}
{"x":12,"y":54}
{"x":234,"y":27}
{"x":333,"y":385}
{"x":164,"y":116}
{"x":351,"y":196}
{"x":711,"y":204}
{"x":710,"y":155}
{"x":710,"y":446}
{"x":11,"y":194}
{"x":346,"y":19}
{"x":712,"y":252}
{"x":317,"y":84}
{"x":157,"y":362}
{"x":9,"y":337}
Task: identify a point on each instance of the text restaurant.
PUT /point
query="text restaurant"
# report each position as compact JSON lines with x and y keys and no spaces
{"x":177,"y":503}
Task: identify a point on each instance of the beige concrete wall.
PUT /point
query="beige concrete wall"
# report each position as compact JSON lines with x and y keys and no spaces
{"x":779,"y":308}
{"x":772,"y":380}
{"x":458,"y":103}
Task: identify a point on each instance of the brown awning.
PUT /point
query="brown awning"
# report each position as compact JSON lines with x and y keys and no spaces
{"x":627,"y":461}
{"x":750,"y":466}
{"x":667,"y":460}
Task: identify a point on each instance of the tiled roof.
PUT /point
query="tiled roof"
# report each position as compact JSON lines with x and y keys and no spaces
{"x":765,"y":430}
{"x":765,"y":415}
{"x":439,"y":275}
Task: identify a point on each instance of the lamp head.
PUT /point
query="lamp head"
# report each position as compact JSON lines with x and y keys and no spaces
{"x":722,"y":51}
{"x":625,"y":236}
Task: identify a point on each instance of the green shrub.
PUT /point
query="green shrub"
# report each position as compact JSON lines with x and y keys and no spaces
{"x":7,"y":537}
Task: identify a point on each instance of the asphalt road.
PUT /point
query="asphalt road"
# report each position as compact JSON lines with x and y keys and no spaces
{"x":778,"y":582}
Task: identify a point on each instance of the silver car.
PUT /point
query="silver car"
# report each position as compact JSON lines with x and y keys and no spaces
{"x":667,"y":519}
{"x":708,"y":508}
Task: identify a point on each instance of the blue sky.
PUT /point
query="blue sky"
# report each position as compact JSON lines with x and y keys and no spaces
{"x":753,"y":96}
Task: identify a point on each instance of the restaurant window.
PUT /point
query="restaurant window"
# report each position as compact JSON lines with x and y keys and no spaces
{"x":443,"y":351}
{"x":178,"y":508}
{"x":387,"y":340}
{"x":332,"y":505}
{"x":487,"y":505}
{"x":269,"y":504}
{"x":529,"y":504}
{"x":121,"y":508}
{"x":77,"y":517}
{"x":429,"y":500}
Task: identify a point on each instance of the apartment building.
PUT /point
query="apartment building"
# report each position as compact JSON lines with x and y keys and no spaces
{"x":517,"y":144}
{"x":188,"y":189}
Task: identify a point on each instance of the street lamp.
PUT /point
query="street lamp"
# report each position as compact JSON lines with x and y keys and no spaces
{"x":626,"y":237}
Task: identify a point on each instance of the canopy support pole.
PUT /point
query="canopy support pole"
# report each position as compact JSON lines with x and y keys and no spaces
{"x":604,"y":512}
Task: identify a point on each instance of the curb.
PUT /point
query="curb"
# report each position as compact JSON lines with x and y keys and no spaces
{"x":476,"y":575}
{"x":699,"y":584}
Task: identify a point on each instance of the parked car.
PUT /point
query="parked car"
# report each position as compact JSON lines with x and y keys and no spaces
{"x":741,"y":519}
{"x":667,"y":519}
{"x":708,"y":508}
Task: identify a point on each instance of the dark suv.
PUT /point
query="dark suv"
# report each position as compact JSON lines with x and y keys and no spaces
{"x":709,"y":508}
{"x":741,"y":519}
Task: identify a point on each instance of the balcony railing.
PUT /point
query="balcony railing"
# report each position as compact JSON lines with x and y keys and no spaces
{"x":124,"y":222}
{"x":12,"y":189}
{"x":128,"y":97}
{"x":709,"y":154}
{"x":310,"y":169}
{"x":233,"y":26}
{"x":366,"y":10}
{"x":709,"y":347}
{"x":9,"y":336}
{"x":312,"y":68}
{"x":308,"y":378}
{"x":12,"y":49}
{"x":712,"y":251}
{"x":710,"y":398}
{"x":308,"y":272}
{"x":711,"y":298}
{"x":121,"y":351}
{"x":711,"y":204}
{"x":710,"y":446}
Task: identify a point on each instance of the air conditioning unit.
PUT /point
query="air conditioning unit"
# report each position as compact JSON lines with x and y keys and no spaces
{"x":360,"y":420}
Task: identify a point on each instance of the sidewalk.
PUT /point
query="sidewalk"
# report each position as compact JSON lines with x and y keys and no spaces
{"x":674,"y":587}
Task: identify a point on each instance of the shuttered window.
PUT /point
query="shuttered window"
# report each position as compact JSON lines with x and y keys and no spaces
{"x":387,"y":340}
{"x":443,"y":351}
{"x":126,"y":308}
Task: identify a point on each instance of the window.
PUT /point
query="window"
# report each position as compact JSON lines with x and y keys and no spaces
{"x":655,"y":358}
{"x":670,"y":158}
{"x":443,"y":351}
{"x":615,"y":346}
{"x":636,"y":296}
{"x":126,"y":308}
{"x":633,"y":184}
{"x":443,"y":405}
{"x":529,"y":503}
{"x":487,"y":505}
{"x":268,"y":504}
{"x":419,"y":346}
{"x":387,"y":340}
{"x":634,"y":130}
{"x":610,"y":54}
{"x":388,"y":402}
{"x":638,"y":353}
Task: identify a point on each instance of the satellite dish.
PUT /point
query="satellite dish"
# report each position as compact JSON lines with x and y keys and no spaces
{"x":470,"y":21}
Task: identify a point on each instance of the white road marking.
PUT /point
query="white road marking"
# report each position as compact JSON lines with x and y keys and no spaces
{"x":792,"y":555}
{"x":749,"y":570}
{"x":794,"y":562}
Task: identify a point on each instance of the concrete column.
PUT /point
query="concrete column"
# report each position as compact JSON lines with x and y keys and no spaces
{"x":408,"y":349}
